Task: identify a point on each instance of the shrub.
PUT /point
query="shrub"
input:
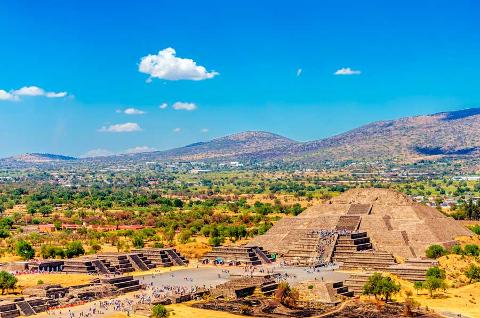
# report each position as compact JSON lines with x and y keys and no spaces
{"x":138,"y":241}
{"x":435,"y":251}
{"x":473,"y":273}
{"x":472,"y":249}
{"x":40,"y":282}
{"x":73,"y":249}
{"x":475,"y":229}
{"x":457,"y":249}
{"x":24,"y":250}
{"x":159,"y":311}
{"x":159,"y":245}
{"x":436,"y":272}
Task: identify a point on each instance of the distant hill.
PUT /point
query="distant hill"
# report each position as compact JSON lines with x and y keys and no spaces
{"x":453,"y":134}
{"x":39,"y":158}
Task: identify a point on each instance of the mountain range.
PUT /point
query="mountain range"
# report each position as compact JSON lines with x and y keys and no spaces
{"x":453,"y":134}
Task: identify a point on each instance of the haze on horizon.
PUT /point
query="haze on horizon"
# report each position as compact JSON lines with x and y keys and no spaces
{"x":87,"y":78}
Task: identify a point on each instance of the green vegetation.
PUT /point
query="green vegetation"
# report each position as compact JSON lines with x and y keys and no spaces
{"x":473,"y":273}
{"x":435,"y":251}
{"x":379,"y":285}
{"x":7,"y":281}
{"x":159,"y":311}
{"x":24,"y":250}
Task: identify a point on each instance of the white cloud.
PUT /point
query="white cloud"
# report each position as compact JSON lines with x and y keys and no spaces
{"x":4,"y":95}
{"x":177,"y":130}
{"x":29,"y":91}
{"x":299,"y":72}
{"x":133,"y":111}
{"x":165,"y":65}
{"x":184,"y":106}
{"x":37,"y":91}
{"x":347,"y":71}
{"x":204,"y":130}
{"x":163,"y":106}
{"x":140,"y":149}
{"x":120,"y":128}
{"x":56,"y":95}
{"x":98,"y":153}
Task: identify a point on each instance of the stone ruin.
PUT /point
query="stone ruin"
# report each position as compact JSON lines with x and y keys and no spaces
{"x":245,"y":286}
{"x":163,"y":257}
{"x":363,"y":229}
{"x":245,"y":255}
{"x":41,"y":297}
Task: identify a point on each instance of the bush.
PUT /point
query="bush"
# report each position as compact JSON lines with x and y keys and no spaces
{"x":74,"y":249}
{"x":472,"y":250}
{"x":40,"y":282}
{"x":159,"y":311}
{"x":473,"y":273}
{"x":159,"y":245}
{"x":215,"y":241}
{"x":475,"y":229}
{"x":436,"y":272}
{"x":138,"y":241}
{"x":24,"y":250}
{"x":435,"y":251}
{"x":49,"y":251}
{"x":457,"y":249}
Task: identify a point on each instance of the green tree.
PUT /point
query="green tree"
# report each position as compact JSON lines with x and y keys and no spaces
{"x":435,"y":251}
{"x":379,"y":285}
{"x":74,"y":249}
{"x":7,"y":281}
{"x":433,"y":283}
{"x":24,"y":250}
{"x":473,"y":273}
{"x":436,"y":272}
{"x":138,"y":241}
{"x":159,"y":311}
{"x":418,"y":286}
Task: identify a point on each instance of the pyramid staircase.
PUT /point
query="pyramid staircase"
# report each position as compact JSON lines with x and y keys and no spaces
{"x":246,"y":255}
{"x":354,"y":251}
{"x":309,"y":250}
{"x":342,"y":290}
{"x":356,"y":282}
{"x":163,"y":257}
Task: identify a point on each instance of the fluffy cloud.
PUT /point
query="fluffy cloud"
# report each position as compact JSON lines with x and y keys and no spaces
{"x":121,"y":128}
{"x":133,"y":111}
{"x":163,"y":106}
{"x":177,"y":130}
{"x":98,"y":153}
{"x":140,"y":149}
{"x":29,"y":91}
{"x":184,"y":106}
{"x":347,"y":71}
{"x":4,"y":95}
{"x":165,"y":65}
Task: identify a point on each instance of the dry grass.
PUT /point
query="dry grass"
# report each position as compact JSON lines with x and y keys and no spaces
{"x":185,"y":311}
{"x":463,"y":300}
{"x":30,"y":280}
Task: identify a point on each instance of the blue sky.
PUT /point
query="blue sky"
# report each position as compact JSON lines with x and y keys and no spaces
{"x":412,"y":57}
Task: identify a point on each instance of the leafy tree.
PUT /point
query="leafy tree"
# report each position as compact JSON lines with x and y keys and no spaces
{"x":74,"y":249}
{"x":24,"y":250}
{"x":4,"y":233}
{"x":6,"y":223}
{"x":457,"y":249}
{"x":435,"y":251}
{"x":138,"y":241}
{"x":436,"y":272}
{"x":433,"y":283}
{"x":7,"y":281}
{"x":473,"y":273}
{"x":379,"y":285}
{"x":159,"y":311}
{"x":418,"y":286}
